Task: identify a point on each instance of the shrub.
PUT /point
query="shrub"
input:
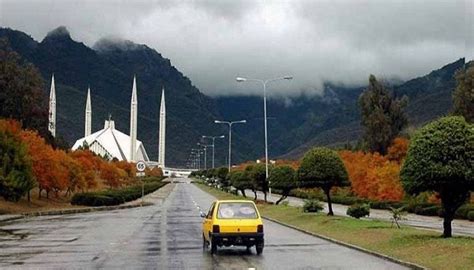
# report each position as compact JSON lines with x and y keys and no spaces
{"x":470,"y":216}
{"x":115,"y":197}
{"x":464,"y":210}
{"x":312,"y":206}
{"x":385,"y":204}
{"x":434,"y":210}
{"x":358,"y":210}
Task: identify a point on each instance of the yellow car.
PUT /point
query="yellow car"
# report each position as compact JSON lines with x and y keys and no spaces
{"x":232,"y":223}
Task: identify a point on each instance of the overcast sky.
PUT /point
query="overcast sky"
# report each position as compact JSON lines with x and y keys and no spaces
{"x":212,"y":42}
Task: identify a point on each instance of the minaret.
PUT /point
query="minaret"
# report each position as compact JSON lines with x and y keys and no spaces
{"x":88,"y":122}
{"x":133,"y":122}
{"x":162,"y":132}
{"x":52,"y":109}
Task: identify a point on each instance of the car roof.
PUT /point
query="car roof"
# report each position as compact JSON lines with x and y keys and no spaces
{"x":234,"y":201}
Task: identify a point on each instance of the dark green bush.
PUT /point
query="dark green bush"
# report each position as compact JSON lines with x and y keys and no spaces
{"x":386,"y":205}
{"x":463,"y":211}
{"x":115,"y":196}
{"x":358,"y":210}
{"x":434,"y":210}
{"x":470,"y":215}
{"x":312,"y":206}
{"x":347,"y":200}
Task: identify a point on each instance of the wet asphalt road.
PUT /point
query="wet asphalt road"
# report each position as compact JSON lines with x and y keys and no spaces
{"x":163,"y":236}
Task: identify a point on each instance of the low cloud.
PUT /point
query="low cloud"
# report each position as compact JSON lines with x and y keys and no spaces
{"x":212,"y":42}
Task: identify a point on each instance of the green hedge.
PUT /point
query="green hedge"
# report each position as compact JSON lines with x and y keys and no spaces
{"x":416,"y":207}
{"x":115,"y":196}
{"x":470,"y":215}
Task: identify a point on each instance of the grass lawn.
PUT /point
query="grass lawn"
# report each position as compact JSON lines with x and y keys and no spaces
{"x":419,"y":246}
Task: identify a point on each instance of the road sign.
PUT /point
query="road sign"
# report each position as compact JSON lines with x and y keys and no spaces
{"x":141,"y":166}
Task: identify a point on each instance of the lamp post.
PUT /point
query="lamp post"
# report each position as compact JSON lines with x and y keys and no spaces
{"x":213,"y":144}
{"x":264,"y":83}
{"x":198,"y":153}
{"x":205,"y":153}
{"x":230,"y":123}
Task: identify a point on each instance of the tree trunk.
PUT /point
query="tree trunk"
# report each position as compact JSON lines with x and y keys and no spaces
{"x":255,"y":195}
{"x":281,"y":199}
{"x":447,"y":230}
{"x":451,"y":200}
{"x":29,"y":197}
{"x":265,"y":196}
{"x":243,"y":192}
{"x":39,"y":193}
{"x":328,"y":195}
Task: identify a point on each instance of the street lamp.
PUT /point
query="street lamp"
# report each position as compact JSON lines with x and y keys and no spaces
{"x":198,"y":153}
{"x":264,"y":83}
{"x":213,"y":144}
{"x":230,"y":123}
{"x":205,"y":154}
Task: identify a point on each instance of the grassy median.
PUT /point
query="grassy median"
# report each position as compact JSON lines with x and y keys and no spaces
{"x":419,"y":246}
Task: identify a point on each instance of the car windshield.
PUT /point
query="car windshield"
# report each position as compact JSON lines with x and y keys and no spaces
{"x":236,"y":210}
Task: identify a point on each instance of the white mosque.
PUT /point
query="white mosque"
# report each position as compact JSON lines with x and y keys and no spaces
{"x":109,"y":141}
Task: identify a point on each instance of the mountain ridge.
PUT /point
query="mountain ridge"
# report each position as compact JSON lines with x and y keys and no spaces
{"x":108,"y":67}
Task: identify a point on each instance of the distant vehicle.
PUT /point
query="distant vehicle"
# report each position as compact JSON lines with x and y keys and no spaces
{"x":232,"y":223}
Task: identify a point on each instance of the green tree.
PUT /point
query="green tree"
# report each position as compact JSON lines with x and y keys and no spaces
{"x":463,"y":95}
{"x":22,"y":97}
{"x":382,"y":116}
{"x":441,"y":158}
{"x":283,"y":178}
{"x":241,"y":181}
{"x":222,"y":174}
{"x":322,"y":168}
{"x":258,"y":175}
{"x":16,"y":176}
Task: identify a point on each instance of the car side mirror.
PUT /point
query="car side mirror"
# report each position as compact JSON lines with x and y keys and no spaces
{"x":203,"y":215}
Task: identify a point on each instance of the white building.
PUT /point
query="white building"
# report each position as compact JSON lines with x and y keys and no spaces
{"x":112,"y":143}
{"x":109,"y":141}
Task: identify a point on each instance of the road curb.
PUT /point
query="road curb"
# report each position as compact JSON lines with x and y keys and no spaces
{"x":86,"y":209}
{"x":380,"y":255}
{"x":73,"y":211}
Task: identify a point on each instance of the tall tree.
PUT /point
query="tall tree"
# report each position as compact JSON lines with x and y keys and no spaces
{"x":441,"y":159}
{"x":322,"y":168}
{"x":382,"y":116}
{"x":463,"y":95}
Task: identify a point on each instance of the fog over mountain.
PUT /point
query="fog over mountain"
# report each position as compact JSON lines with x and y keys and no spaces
{"x":211,"y":42}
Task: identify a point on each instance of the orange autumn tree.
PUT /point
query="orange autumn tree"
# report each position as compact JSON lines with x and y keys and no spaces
{"x":155,"y":172}
{"x":374,"y":176}
{"x":90,"y":165}
{"x":112,"y":175}
{"x":128,"y":167}
{"x":398,"y":150}
{"x":46,"y":163}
